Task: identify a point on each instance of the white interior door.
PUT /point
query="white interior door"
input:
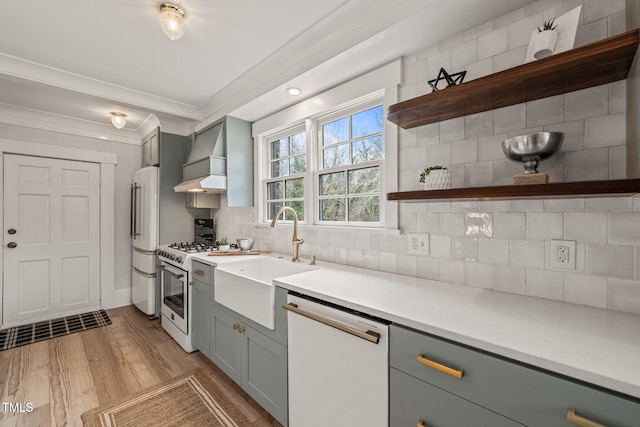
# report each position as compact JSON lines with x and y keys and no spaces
{"x":51,"y":238}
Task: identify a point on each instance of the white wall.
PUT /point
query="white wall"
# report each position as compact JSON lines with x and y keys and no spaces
{"x":504,"y":245}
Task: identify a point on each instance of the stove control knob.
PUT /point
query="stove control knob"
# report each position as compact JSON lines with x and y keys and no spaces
{"x":179,"y":259}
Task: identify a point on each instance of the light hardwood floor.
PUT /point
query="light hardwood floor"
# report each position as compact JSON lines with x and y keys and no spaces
{"x":64,"y":377}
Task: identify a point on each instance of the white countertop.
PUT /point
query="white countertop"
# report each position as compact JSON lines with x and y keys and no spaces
{"x":598,"y":346}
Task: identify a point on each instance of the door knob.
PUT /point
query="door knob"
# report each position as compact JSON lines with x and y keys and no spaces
{"x":11,"y":231}
{"x":12,"y":245}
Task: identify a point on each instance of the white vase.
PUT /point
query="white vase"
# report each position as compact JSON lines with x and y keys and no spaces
{"x":438,"y":179}
{"x":543,"y":43}
{"x":224,"y":248}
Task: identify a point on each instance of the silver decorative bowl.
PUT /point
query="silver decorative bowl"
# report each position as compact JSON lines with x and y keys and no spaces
{"x":245,"y":243}
{"x":532,"y":148}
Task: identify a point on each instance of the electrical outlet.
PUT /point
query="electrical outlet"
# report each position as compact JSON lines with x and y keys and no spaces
{"x":418,"y":244}
{"x":563,"y":254}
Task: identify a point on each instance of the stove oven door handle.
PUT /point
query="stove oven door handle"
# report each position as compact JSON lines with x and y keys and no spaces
{"x":173,"y":271}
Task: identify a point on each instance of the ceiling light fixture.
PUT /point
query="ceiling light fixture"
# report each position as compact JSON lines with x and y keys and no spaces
{"x":172,"y":21}
{"x":118,"y":120}
{"x":293,"y":91}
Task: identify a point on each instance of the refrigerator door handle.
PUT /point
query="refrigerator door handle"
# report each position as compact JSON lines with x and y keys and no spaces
{"x":134,"y":210}
{"x":131,"y":213}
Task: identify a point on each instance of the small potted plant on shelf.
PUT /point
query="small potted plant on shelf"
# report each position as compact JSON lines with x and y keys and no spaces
{"x":224,"y":245}
{"x":436,"y":178}
{"x":544,"y":41}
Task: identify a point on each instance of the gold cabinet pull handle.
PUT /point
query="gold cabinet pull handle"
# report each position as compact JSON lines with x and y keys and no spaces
{"x":198,"y":272}
{"x":440,"y":367}
{"x":235,"y":326}
{"x":421,"y":423}
{"x":240,"y":329}
{"x":581,"y":421}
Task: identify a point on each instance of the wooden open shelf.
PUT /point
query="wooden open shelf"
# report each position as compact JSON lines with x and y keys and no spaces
{"x":604,"y":61}
{"x":565,"y":190}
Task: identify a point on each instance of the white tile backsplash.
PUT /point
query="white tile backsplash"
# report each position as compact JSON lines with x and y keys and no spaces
{"x":586,"y":103}
{"x":605,"y":131}
{"x":464,"y":248}
{"x":545,"y":284}
{"x":493,"y":43}
{"x":624,"y":295}
{"x":509,"y":279}
{"x":465,"y":151}
{"x":510,"y":118}
{"x":451,"y":270}
{"x":544,"y":226}
{"x":586,"y":290}
{"x":624,"y":228}
{"x":478,"y":275}
{"x":510,"y":225}
{"x":586,"y":227}
{"x":610,"y":260}
{"x":527,"y":253}
{"x":545,"y":111}
{"x":451,"y":223}
{"x":493,"y":251}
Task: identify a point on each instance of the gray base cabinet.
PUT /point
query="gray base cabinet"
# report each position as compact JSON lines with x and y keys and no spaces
{"x":519,"y":392}
{"x":253,"y":360}
{"x":200,"y":323}
{"x":253,"y":356}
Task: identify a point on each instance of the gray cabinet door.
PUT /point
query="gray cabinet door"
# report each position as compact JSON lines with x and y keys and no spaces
{"x":264,"y":372}
{"x":226,"y":344}
{"x":417,"y":403}
{"x":201,"y":332}
{"x":150,"y":149}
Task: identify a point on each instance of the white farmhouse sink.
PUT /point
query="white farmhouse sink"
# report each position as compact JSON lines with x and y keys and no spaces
{"x":247,"y":288}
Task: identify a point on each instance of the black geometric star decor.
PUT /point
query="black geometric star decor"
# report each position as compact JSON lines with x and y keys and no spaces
{"x":451,"y":79}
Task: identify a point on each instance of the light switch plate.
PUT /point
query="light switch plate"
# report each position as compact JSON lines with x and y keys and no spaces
{"x":418,"y":244}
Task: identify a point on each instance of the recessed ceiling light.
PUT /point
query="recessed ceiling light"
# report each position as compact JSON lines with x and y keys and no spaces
{"x":293,"y":91}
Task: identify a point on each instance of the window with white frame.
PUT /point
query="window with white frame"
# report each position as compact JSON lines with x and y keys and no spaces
{"x":350,"y":157}
{"x":347,"y":171}
{"x":287,"y":169}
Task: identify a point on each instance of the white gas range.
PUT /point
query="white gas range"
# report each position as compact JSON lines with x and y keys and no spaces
{"x":174,"y":269}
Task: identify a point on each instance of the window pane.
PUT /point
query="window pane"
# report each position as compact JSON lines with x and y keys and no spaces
{"x":279,"y":149}
{"x":297,"y":206}
{"x":272,"y":209}
{"x":332,"y":184}
{"x":298,"y":164}
{"x":294,"y":188}
{"x":367,"y":122}
{"x":336,"y":131}
{"x":332,"y":210}
{"x":274,"y":190}
{"x":279,"y":168}
{"x":365,"y":180}
{"x":368,"y":149}
{"x":298,"y":143}
{"x":364,"y":209}
{"x":335,"y":156}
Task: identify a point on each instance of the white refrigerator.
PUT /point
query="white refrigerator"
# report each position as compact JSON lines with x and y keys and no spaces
{"x":144,"y":232}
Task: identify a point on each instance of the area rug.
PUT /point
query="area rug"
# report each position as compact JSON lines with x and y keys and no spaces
{"x":189,"y":400}
{"x":34,"y":332}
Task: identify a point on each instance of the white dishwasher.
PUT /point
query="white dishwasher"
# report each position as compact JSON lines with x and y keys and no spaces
{"x":338,"y":365}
